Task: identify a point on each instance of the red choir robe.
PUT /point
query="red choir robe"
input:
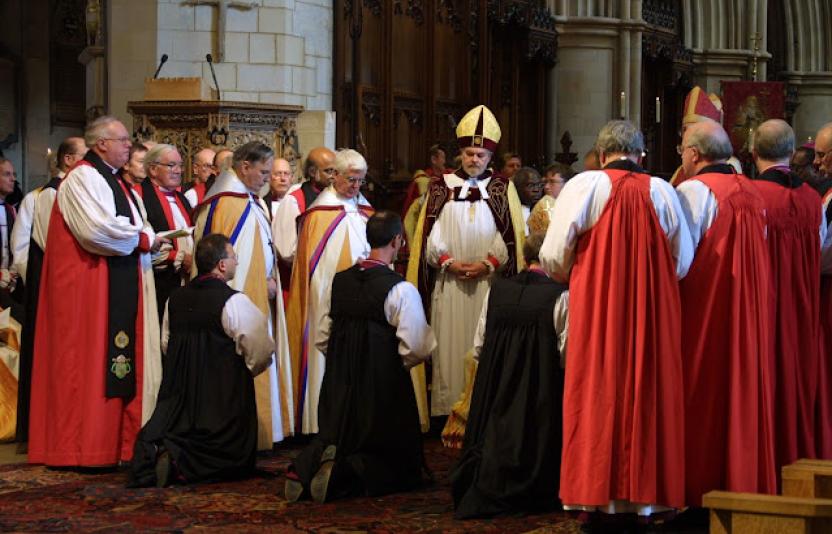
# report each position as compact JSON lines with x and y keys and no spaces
{"x":793,"y":211}
{"x":623,"y":410}
{"x":725,"y":344}
{"x":72,"y":421}
{"x":823,"y":424}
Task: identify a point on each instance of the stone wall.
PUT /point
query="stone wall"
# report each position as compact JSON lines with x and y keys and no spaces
{"x":279,"y":52}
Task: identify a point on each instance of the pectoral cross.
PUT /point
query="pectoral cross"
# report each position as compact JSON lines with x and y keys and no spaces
{"x":222,"y":6}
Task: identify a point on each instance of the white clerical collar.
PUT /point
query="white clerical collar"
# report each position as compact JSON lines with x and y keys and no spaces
{"x":112,"y":169}
{"x":473,"y":182}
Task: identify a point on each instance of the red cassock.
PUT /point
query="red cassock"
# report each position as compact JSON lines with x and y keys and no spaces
{"x":623,"y":419}
{"x":726,"y":355}
{"x":823,"y":426}
{"x":72,"y":421}
{"x":793,"y":223}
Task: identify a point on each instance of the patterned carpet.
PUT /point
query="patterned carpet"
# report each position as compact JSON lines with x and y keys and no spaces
{"x":33,"y":498}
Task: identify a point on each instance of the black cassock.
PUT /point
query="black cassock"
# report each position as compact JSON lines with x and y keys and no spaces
{"x":205,"y":415}
{"x":510,"y":459}
{"x":367,"y":407}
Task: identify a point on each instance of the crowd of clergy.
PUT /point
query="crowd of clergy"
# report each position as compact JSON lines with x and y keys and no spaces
{"x":607,"y":342}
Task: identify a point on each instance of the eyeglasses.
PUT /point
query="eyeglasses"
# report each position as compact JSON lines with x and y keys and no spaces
{"x":282,"y":173}
{"x":330,"y":171}
{"x":170,"y":166}
{"x":353,"y":181}
{"x":122,"y":140}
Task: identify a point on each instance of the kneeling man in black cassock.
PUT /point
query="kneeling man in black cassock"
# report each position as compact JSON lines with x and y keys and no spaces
{"x":372,"y":333}
{"x":215,"y":340}
{"x":510,"y":458}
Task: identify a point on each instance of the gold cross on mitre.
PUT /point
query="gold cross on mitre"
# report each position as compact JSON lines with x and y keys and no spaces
{"x":222,"y":14}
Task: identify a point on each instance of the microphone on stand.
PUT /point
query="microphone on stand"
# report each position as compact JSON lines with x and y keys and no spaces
{"x":162,"y":62}
{"x":213,"y":74}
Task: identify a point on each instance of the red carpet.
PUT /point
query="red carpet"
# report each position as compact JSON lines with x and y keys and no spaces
{"x":33,"y":498}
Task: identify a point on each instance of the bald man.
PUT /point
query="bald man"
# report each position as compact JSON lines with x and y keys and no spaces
{"x":319,"y":171}
{"x":279,"y":184}
{"x":725,"y":326}
{"x":203,"y":169}
{"x":796,"y":229}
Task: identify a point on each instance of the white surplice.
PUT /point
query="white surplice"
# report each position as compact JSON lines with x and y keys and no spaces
{"x":285,"y":226}
{"x":86,"y":203}
{"x":581,"y":203}
{"x":21,"y":233}
{"x":465,"y":231}
{"x":353,"y":225}
{"x":184,"y":245}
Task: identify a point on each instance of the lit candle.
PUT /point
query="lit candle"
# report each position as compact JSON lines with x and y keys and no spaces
{"x":48,"y":160}
{"x":623,"y":106}
{"x":658,"y":109}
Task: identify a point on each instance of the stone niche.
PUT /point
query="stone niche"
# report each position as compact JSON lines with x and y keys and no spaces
{"x":192,"y":126}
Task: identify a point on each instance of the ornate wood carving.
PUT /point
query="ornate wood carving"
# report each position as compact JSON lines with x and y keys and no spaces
{"x":566,"y":156}
{"x":414,"y":9}
{"x":374,"y":6}
{"x":447,"y":13}
{"x":667,"y":70}
{"x":371,"y":107}
{"x":407,"y":70}
{"x":191,"y":126}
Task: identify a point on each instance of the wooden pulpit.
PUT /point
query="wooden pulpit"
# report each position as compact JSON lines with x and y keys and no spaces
{"x":193,"y":124}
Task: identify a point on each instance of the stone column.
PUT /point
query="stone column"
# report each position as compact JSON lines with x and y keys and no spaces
{"x":814,"y":90}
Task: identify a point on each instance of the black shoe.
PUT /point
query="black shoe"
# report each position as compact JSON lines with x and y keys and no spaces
{"x":292,"y":490}
{"x":163,"y":468}
{"x":320,"y":482}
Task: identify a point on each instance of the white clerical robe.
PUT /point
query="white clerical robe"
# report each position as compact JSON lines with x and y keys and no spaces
{"x":255,"y":231}
{"x":466,"y":232}
{"x":243,"y":322}
{"x":184,"y":245}
{"x":285,"y":226}
{"x":353,"y":227}
{"x":43,"y":213}
{"x":403,"y":311}
{"x":21,"y":233}
{"x":580,"y":205}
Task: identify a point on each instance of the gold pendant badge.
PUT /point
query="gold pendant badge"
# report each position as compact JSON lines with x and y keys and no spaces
{"x":121,"y":366}
{"x":121,"y":340}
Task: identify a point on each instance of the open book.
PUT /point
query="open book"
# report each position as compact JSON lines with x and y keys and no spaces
{"x":176,"y":234}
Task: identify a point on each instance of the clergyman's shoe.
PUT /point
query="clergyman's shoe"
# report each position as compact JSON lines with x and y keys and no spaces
{"x":293,"y":489}
{"x":163,"y":469}
{"x":320,"y":482}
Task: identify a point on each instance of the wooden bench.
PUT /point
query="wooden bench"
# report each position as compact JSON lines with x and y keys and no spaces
{"x":808,"y":478}
{"x":753,"y":513}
